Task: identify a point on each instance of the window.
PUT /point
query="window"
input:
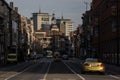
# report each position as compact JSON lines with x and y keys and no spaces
{"x":114,"y":25}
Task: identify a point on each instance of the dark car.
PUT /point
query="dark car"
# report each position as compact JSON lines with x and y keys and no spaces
{"x":65,"y":57}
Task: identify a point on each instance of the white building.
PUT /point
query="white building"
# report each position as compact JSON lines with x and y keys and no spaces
{"x":41,"y":19}
{"x":27,"y":30}
{"x":43,"y":38}
{"x":68,"y":27}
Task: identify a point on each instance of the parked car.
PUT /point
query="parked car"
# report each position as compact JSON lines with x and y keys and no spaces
{"x":49,"y":55}
{"x":38,"y":56}
{"x":65,"y":57}
{"x":93,"y":65}
{"x":57,"y":57}
{"x":32,"y":56}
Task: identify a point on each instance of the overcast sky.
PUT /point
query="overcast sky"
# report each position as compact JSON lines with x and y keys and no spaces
{"x":71,"y":9}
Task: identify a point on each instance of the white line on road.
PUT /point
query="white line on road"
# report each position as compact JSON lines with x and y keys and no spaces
{"x":6,"y":73}
{"x":75,"y":72}
{"x":47,"y":72}
{"x":118,"y":78}
{"x":19,"y":72}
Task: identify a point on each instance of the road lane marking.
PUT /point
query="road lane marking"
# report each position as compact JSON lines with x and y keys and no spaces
{"x":75,"y":72}
{"x":113,"y":75}
{"x":19,"y":72}
{"x":118,"y":78}
{"x":10,"y":72}
{"x":47,"y":71}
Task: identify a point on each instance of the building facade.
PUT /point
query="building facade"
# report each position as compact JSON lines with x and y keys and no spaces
{"x":106,"y":26}
{"x":9,"y":28}
{"x":65,"y":26}
{"x":44,"y":40}
{"x":4,"y":29}
{"x":27,"y":38}
{"x":40,"y":20}
{"x":86,"y":35}
{"x":68,"y":27}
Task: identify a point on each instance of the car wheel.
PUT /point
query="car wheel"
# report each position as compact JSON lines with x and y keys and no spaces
{"x":102,"y":73}
{"x":83,"y":72}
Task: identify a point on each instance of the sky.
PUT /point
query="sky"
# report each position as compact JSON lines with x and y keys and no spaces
{"x":70,"y":9}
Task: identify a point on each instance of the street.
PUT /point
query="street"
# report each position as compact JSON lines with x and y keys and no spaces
{"x":60,"y":40}
{"x":47,"y":69}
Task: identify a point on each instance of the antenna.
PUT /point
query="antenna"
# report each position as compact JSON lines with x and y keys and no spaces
{"x":62,"y":15}
{"x":53,"y":12}
{"x":39,"y":9}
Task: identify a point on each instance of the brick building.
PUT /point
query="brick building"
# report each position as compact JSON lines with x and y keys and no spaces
{"x":9,"y":28}
{"x":106,"y":23}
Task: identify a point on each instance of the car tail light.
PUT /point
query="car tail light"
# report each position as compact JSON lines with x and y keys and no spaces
{"x":86,"y":64}
{"x":101,"y":64}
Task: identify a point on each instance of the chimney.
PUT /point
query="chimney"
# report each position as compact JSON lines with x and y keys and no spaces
{"x":16,"y":9}
{"x":11,"y":4}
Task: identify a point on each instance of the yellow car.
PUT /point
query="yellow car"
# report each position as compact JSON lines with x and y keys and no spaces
{"x":92,"y":65}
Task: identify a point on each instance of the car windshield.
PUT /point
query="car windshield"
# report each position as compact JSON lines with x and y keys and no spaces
{"x":91,"y":60}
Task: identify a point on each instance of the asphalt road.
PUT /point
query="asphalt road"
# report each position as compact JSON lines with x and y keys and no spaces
{"x":47,"y":69}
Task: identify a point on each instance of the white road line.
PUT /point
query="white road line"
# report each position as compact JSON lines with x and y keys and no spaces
{"x":75,"y":72}
{"x":6,"y":73}
{"x":11,"y":72}
{"x":118,"y":78}
{"x":19,"y":72}
{"x":47,"y":72}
